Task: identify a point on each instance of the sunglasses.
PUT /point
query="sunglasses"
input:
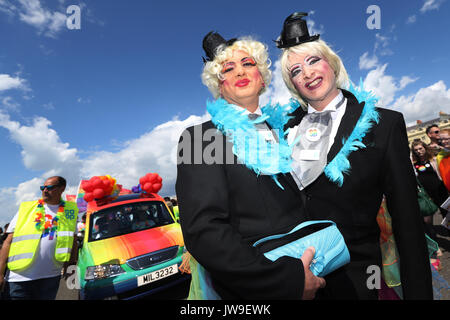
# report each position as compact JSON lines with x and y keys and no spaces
{"x":49,"y":187}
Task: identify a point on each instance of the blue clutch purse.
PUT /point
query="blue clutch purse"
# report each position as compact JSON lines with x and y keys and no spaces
{"x":331,"y":250}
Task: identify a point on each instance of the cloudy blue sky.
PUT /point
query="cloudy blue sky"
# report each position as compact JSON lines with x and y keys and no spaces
{"x":114,"y":96}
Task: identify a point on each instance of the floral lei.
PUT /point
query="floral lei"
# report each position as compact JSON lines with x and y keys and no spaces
{"x":50,"y":225}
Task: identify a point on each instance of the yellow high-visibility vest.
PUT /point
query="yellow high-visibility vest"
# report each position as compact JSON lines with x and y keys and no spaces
{"x":26,"y":237}
{"x":176,"y":213}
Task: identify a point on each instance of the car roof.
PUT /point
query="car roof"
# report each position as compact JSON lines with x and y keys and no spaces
{"x":93,"y":206}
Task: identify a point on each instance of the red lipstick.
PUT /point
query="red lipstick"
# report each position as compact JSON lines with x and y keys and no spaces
{"x":316,"y":85}
{"x":242,"y":83}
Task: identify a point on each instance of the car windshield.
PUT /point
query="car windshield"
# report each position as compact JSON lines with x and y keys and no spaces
{"x":128,"y":218}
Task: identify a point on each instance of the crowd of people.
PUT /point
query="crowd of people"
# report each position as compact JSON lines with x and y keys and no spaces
{"x":432,"y":168}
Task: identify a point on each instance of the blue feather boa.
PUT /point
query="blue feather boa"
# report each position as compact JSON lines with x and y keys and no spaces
{"x":340,"y":165}
{"x":268,"y":158}
{"x":249,"y":146}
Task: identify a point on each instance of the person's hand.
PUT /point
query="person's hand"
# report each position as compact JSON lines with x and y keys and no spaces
{"x":312,"y":283}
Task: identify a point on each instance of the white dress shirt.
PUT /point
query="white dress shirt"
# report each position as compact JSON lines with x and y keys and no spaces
{"x":336,"y":117}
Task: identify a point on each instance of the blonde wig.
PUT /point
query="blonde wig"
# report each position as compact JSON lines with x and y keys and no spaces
{"x":256,"y":49}
{"x":318,"y":48}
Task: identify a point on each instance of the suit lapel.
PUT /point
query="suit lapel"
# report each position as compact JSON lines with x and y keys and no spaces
{"x":352,"y":114}
{"x":297,"y":115}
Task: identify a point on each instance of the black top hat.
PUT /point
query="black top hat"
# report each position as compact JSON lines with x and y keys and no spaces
{"x":210,"y":43}
{"x":295,"y":31}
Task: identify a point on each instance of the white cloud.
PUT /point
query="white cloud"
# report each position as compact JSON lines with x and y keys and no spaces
{"x":154,"y":151}
{"x":33,"y":13}
{"x":277,"y":91}
{"x":425,"y":104}
{"x":431,"y":5}
{"x":43,"y":151}
{"x":49,"y":106}
{"x":312,"y":28}
{"x":8,"y":205}
{"x":8,"y":82}
{"x":382,"y":45}
{"x":405,"y":80}
{"x":83,"y":100}
{"x":366,"y":62}
{"x":7,"y":7}
{"x":411,"y":19}
{"x":385,"y":86}
{"x":9,"y":104}
{"x":382,"y":85}
{"x":46,"y":21}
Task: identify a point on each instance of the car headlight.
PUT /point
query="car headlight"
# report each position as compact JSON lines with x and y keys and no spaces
{"x":103,"y":271}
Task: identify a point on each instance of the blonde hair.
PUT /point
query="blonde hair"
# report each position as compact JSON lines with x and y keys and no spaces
{"x":212,"y":69}
{"x":319,"y":48}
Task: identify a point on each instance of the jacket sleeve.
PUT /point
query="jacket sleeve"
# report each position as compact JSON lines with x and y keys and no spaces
{"x":237,"y":269}
{"x":401,"y":198}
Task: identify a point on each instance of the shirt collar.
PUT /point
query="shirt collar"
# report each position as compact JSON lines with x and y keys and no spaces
{"x":258,"y":110}
{"x":331,"y":106}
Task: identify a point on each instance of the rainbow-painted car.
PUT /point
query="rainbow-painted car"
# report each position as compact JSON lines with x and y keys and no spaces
{"x":132,"y":248}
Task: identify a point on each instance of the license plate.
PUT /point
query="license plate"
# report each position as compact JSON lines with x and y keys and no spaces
{"x":157,"y":275}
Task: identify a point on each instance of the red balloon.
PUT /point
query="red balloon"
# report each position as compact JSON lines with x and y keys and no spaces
{"x":147,"y":187}
{"x":87,"y":186}
{"x":159,"y":179}
{"x":98,"y":193}
{"x":88,"y":197}
{"x":97,"y":183}
{"x":156,"y":187}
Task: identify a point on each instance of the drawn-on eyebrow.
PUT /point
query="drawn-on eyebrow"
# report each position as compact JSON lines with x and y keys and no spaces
{"x":294,"y":66}
{"x":228,"y":63}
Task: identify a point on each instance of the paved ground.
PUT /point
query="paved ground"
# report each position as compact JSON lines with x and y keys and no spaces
{"x":443,"y":237}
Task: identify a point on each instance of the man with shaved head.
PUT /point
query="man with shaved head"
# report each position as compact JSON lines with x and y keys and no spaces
{"x":40,"y":242}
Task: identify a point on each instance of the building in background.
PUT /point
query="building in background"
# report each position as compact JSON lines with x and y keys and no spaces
{"x":418,"y":131}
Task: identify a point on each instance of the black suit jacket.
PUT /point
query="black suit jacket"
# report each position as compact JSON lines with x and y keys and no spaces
{"x":224,"y":209}
{"x":383,"y":167}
